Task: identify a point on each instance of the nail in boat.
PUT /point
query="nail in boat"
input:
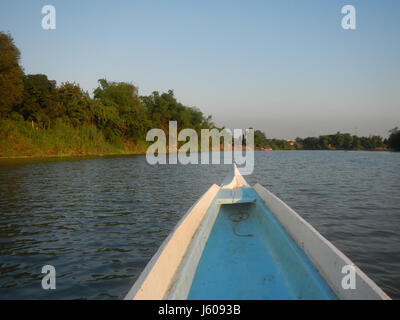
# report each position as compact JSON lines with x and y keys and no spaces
{"x":242,"y":242}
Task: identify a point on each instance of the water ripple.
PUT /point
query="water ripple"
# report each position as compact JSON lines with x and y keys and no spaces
{"x":100,"y":220}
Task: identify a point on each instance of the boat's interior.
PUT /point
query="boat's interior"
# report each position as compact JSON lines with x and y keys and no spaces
{"x":249,"y":255}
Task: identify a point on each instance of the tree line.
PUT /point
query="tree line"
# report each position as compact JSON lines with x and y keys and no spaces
{"x":116,"y":109}
{"x":338,"y":141}
{"x":343,"y":141}
{"x":66,"y":118}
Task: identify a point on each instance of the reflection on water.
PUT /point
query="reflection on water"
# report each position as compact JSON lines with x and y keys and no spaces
{"x":99,"y":220}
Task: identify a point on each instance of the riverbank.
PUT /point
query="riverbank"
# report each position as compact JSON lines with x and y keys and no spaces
{"x":83,"y":155}
{"x":23,"y":139}
{"x":20,"y":139}
{"x":72,"y":154}
{"x":60,"y":156}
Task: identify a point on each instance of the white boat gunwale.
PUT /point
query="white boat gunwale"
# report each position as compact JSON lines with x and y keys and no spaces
{"x":316,"y":246}
{"x":160,"y":288}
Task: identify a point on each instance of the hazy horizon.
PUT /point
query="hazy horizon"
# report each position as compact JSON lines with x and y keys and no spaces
{"x":286,"y":68}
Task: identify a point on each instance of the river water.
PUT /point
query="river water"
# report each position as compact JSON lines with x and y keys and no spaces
{"x":99,"y":220}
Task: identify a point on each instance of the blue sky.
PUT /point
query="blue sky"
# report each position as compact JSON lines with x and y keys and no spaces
{"x":285,"y":67}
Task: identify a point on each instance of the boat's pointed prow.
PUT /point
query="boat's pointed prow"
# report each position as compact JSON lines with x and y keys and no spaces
{"x":234,"y":180}
{"x":242,"y":242}
{"x":236,"y":170}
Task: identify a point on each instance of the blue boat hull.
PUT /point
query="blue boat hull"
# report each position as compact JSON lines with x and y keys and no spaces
{"x":250,"y":256}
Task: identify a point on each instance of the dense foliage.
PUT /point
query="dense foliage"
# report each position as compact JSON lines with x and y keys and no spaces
{"x":343,"y":141}
{"x":394,"y":139}
{"x":11,"y":85}
{"x":116,"y":112}
{"x":37,"y":117}
{"x":338,"y":141}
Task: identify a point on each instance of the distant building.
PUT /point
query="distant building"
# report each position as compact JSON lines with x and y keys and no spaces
{"x":291,"y":142}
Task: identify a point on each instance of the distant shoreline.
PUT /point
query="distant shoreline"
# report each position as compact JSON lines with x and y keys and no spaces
{"x":60,"y":156}
{"x":99,"y":155}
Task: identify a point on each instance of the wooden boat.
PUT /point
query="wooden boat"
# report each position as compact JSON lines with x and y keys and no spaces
{"x":242,"y":242}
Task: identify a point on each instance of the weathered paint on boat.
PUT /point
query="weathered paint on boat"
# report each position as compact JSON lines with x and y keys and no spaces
{"x":242,"y":242}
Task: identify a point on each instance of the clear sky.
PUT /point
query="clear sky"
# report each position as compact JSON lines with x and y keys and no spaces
{"x":285,"y":67}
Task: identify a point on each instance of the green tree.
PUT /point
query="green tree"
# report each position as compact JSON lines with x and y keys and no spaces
{"x":356,"y":144}
{"x":260,"y":141}
{"x":39,"y":102}
{"x":372,"y":142}
{"x":311,"y":143}
{"x":124,"y":97}
{"x":394,"y":139}
{"x":347,"y":141}
{"x":338,"y":140}
{"x":11,"y":85}
{"x":324,"y":142}
{"x":74,"y":104}
{"x":162,"y":108}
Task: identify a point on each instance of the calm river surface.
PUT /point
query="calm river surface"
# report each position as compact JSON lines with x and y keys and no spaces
{"x":98,"y":221}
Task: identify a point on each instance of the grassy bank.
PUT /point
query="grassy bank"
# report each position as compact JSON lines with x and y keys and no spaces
{"x":22,"y":139}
